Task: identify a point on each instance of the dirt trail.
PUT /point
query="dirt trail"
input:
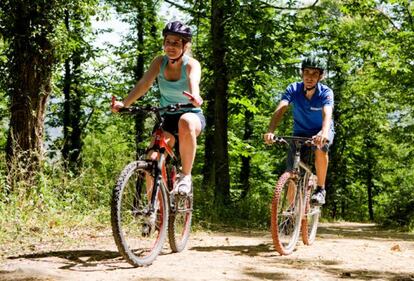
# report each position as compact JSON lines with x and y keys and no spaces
{"x":342,"y":251}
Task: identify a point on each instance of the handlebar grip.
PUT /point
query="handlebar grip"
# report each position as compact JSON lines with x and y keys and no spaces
{"x":124,"y":109}
{"x":277,"y":139}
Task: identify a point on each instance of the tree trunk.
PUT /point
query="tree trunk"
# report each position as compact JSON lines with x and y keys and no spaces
{"x":72,"y":115}
{"x":369,"y":146}
{"x":74,"y":93}
{"x":67,"y":82}
{"x":139,"y":72}
{"x":76,"y":113}
{"x":208,"y":168}
{"x":221,"y":157}
{"x":30,"y":30}
{"x":337,"y":176}
{"x":245,"y":167}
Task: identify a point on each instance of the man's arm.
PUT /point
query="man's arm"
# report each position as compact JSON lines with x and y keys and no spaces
{"x":276,"y":118}
{"x":326,"y":120}
{"x":278,"y":115}
{"x":323,"y":135}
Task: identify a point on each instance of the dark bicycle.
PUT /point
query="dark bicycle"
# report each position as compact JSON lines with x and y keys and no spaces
{"x":144,"y":206}
{"x":292,"y":210}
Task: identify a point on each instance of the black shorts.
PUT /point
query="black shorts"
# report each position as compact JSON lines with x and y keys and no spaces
{"x":171,"y":121}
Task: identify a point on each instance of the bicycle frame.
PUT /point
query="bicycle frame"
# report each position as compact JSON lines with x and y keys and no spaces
{"x":158,"y":145}
{"x":288,"y":220}
{"x":144,"y":208}
{"x":298,"y":163}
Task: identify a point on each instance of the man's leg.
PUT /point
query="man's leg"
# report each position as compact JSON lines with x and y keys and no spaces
{"x":321,"y":166}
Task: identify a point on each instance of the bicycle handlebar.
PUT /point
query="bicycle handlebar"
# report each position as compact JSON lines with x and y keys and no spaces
{"x":139,"y":109}
{"x":169,"y":108}
{"x":288,"y":139}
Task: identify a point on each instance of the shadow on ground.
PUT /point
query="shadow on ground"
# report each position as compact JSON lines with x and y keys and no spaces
{"x":76,"y":258}
{"x":271,"y":265}
{"x":334,"y":272}
{"x":247,"y":250}
{"x":278,"y":269}
{"x":363,"y":231}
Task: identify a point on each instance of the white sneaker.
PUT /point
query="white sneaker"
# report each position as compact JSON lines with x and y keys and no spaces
{"x":318,"y":196}
{"x":183,"y":184}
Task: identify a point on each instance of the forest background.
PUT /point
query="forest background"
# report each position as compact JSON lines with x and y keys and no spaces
{"x":55,"y":78}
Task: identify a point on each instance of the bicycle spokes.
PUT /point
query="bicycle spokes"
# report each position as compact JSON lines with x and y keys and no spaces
{"x":310,"y":223}
{"x":139,"y":226}
{"x":180,"y":221}
{"x":286,"y":214}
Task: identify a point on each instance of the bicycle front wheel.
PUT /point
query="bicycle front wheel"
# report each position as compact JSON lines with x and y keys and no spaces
{"x":286,"y":214}
{"x":139,"y":228}
{"x":311,"y":218}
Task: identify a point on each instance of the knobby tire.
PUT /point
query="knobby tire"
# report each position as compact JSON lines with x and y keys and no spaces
{"x":286,"y":216}
{"x":179,"y":222}
{"x":180,"y":211}
{"x":138,"y":241}
{"x":311,"y":217}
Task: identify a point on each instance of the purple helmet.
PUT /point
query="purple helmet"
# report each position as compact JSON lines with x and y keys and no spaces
{"x":178,"y":28}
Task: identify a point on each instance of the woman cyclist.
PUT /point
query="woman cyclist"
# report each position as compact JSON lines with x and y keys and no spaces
{"x":178,"y":78}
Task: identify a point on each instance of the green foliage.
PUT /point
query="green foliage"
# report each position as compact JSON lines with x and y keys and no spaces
{"x":368,"y":46}
{"x":68,"y":199}
{"x":3,"y":95}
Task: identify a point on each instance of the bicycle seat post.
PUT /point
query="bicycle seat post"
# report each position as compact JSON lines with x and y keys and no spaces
{"x":160,"y":119}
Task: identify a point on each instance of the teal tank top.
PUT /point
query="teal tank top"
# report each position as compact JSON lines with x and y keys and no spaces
{"x":172,"y":91}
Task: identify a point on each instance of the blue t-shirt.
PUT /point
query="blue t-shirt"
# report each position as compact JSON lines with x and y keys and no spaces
{"x":172,"y":91}
{"x":307,"y":114}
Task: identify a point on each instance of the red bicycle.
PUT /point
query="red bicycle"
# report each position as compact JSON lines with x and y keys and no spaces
{"x":144,"y":207}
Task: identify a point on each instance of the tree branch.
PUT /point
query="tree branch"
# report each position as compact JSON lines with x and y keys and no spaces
{"x":267,"y":5}
{"x":87,"y":121}
{"x":173,"y":3}
{"x":410,"y":18}
{"x":186,"y":9}
{"x":381,"y":13}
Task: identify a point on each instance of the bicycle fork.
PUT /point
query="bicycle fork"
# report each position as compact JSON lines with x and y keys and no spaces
{"x":151,"y":210}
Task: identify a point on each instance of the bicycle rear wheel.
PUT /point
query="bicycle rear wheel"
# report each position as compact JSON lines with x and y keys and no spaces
{"x":311,"y":217}
{"x":286,"y":214}
{"x":139,"y":230}
{"x":179,"y":223}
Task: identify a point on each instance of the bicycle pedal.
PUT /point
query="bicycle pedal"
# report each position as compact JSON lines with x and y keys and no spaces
{"x":146,"y":230}
{"x":315,"y":203}
{"x":183,"y":195}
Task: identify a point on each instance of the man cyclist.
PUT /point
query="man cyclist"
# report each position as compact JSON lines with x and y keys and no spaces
{"x":177,"y":73}
{"x":312,"y":117}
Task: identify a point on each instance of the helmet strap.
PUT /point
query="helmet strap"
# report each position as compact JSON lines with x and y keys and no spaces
{"x":179,"y":57}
